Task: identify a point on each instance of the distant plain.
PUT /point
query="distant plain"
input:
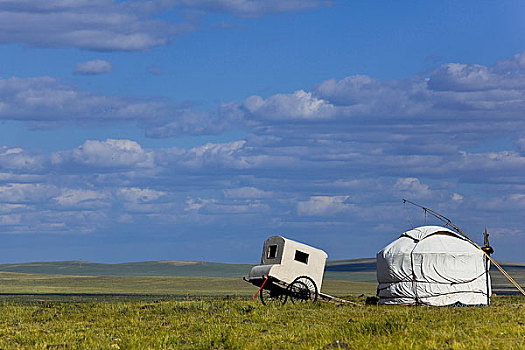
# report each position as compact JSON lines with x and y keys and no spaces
{"x":183,"y":279}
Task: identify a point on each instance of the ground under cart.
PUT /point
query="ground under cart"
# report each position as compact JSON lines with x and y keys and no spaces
{"x":290,"y":270}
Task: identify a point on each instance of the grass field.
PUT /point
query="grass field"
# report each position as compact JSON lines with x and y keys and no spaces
{"x":52,"y":287}
{"x":242,"y":324}
{"x":64,"y":311}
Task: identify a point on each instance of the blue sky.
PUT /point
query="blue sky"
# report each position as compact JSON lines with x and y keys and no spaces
{"x":193,"y":130}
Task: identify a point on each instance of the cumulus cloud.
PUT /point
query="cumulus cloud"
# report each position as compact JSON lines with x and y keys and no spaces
{"x":299,"y":105}
{"x":111,"y":154}
{"x":195,"y":204}
{"x":246,"y":192}
{"x":466,"y":94}
{"x":93,"y":67}
{"x":44,"y":101}
{"x":139,"y":195}
{"x":213,"y":154}
{"x":94,"y":25}
{"x":27,"y":193}
{"x":110,"y":25}
{"x":216,"y":207}
{"x":411,"y":187}
{"x":18,"y":160}
{"x":490,"y":163}
{"x":209,"y":156}
{"x":463,"y":77}
{"x":374,"y":141}
{"x":323,"y":206}
{"x":459,"y":91}
{"x":190,"y":122}
{"x":457,"y":197}
{"x":81,"y":199}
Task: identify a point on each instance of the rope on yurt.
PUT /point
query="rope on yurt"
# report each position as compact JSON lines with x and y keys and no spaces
{"x":449,"y":223}
{"x":408,"y":215}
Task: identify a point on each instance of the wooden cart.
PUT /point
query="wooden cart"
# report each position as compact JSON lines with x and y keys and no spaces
{"x":289,"y":270}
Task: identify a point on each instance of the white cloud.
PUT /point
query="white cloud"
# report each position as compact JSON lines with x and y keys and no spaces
{"x":503,"y":164}
{"x":521,"y":144}
{"x":299,"y":105}
{"x":220,"y":157}
{"x":324,"y":206}
{"x":362,"y":96}
{"x":229,"y":155}
{"x":139,"y":195}
{"x":43,"y":102}
{"x":111,"y":153}
{"x":253,"y":8}
{"x":12,"y":219}
{"x":16,"y":159}
{"x":404,"y":145}
{"x":27,"y":193}
{"x":187,"y":122}
{"x":4,"y":151}
{"x":517,"y":200}
{"x":457,"y":197}
{"x":411,"y":187}
{"x":45,"y":99}
{"x":8,"y":208}
{"x":195,"y":204}
{"x":452,"y":91}
{"x":110,"y":25}
{"x":246,"y":192}
{"x":80,"y":198}
{"x":93,"y":25}
{"x":463,"y":77}
{"x":466,"y":94}
{"x":216,"y":207}
{"x":93,"y":67}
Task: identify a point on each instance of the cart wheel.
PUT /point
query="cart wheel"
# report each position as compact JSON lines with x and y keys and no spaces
{"x":273,"y":296}
{"x":303,"y":290}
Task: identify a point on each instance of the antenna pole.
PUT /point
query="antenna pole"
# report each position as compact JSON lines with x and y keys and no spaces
{"x":451,"y":224}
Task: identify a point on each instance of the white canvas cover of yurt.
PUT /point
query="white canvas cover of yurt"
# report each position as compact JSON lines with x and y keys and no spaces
{"x":433,"y":265}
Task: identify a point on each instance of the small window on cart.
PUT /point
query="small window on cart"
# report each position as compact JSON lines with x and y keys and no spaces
{"x":272,"y":251}
{"x":301,"y":256}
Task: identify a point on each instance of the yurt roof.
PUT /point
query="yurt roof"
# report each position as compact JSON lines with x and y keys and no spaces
{"x":420,"y":233}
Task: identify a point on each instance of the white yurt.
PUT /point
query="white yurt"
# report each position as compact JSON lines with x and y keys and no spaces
{"x":433,"y":265}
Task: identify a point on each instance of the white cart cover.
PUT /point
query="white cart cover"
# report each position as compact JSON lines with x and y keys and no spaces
{"x":435,"y":266}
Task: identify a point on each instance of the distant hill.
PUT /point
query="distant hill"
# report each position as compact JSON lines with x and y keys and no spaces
{"x":133,"y":269}
{"x":342,"y":269}
{"x":355,"y":270}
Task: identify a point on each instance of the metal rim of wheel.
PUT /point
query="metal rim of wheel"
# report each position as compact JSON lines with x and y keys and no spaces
{"x":303,"y":290}
{"x":273,"y":296}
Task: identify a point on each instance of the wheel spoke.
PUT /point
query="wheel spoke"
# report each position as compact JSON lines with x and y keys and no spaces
{"x":303,"y":290}
{"x":273,"y":295}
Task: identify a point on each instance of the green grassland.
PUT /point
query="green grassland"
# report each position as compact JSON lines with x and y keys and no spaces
{"x":241,"y":324}
{"x":15,"y":284}
{"x":100,"y":311}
